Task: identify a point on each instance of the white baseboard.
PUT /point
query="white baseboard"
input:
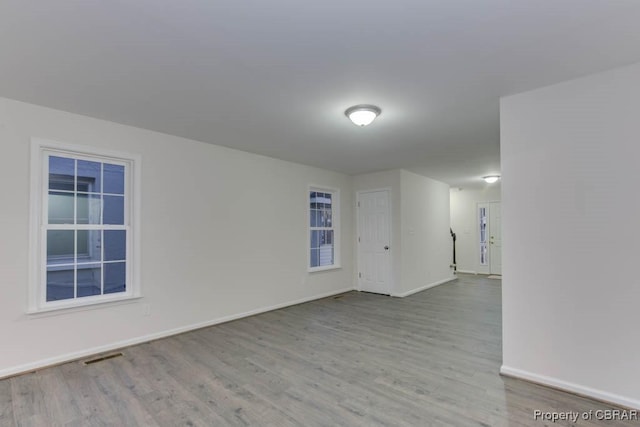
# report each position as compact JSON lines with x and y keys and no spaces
{"x":68,"y":357}
{"x":467,"y":271}
{"x":603,"y":396}
{"x":422,"y":288}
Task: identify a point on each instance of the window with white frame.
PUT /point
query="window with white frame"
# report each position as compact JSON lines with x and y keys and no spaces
{"x":83,"y":214}
{"x":323,"y":229}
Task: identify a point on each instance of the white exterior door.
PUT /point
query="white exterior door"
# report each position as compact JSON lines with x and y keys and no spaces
{"x":495,"y":238}
{"x":374,"y":251}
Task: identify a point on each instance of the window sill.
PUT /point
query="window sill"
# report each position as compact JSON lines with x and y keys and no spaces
{"x":66,"y":308}
{"x":324,"y":268}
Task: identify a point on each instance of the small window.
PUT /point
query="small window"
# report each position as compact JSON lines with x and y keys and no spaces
{"x":323,"y":229}
{"x":84,"y":212}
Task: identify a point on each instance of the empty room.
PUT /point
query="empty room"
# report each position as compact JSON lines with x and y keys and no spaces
{"x":221,"y":213}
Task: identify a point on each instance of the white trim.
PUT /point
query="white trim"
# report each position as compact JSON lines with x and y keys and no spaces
{"x":74,"y":309}
{"x":44,"y":363}
{"x":135,"y":224}
{"x":67,"y":306}
{"x":467,"y":271}
{"x":324,"y":267}
{"x":358,"y":286}
{"x":87,"y":150}
{"x":336,"y":226}
{"x":35,"y":208}
{"x":132,"y":163}
{"x":423,"y":288}
{"x":582,"y":390}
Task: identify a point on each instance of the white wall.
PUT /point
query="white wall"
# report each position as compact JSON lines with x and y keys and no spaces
{"x":206,"y":255}
{"x":464,"y":222}
{"x":426,"y":241}
{"x":571,"y":226}
{"x":420,"y":240}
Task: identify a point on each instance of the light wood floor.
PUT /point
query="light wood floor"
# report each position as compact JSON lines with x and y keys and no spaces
{"x":356,"y":360}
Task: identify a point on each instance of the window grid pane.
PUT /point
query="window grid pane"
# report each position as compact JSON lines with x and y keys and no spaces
{"x":321,"y":237}
{"x":60,"y":284}
{"x":89,"y":280}
{"x":77,"y":265}
{"x":113,"y":179}
{"x":61,"y":173}
{"x":61,"y":207}
{"x":115,"y":277}
{"x":89,"y":177}
{"x":113,"y":210}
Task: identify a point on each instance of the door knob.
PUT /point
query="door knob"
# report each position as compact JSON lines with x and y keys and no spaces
{"x":386,"y":248}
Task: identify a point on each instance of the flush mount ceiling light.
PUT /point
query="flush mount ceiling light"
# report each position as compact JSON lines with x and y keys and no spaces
{"x":490,"y":179}
{"x":362,"y":115}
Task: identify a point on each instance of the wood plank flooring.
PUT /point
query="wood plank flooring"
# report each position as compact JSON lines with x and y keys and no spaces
{"x":356,"y":360}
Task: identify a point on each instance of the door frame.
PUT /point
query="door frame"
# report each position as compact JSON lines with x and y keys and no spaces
{"x":482,"y":269}
{"x":491,"y":246}
{"x":391,"y":287}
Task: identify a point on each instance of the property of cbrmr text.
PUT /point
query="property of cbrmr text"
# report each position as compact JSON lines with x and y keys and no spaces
{"x":598,"y":414}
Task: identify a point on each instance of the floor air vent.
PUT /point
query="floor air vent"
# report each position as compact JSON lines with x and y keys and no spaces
{"x":101,"y":358}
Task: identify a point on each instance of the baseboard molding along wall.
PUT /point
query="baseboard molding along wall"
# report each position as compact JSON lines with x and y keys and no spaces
{"x":467,"y":271}
{"x":69,"y":357}
{"x":571,"y":387}
{"x":423,"y":288}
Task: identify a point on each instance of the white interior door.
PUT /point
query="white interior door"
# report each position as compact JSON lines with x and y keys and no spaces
{"x":374,"y":252}
{"x":495,"y":238}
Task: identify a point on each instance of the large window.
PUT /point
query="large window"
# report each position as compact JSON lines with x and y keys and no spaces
{"x":83,"y":216}
{"x":323,"y":229}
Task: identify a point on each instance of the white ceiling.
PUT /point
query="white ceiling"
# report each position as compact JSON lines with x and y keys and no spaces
{"x":275,"y":77}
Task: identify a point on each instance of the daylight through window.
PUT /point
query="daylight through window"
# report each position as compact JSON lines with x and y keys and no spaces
{"x":85,"y":229}
{"x":322,"y":228}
